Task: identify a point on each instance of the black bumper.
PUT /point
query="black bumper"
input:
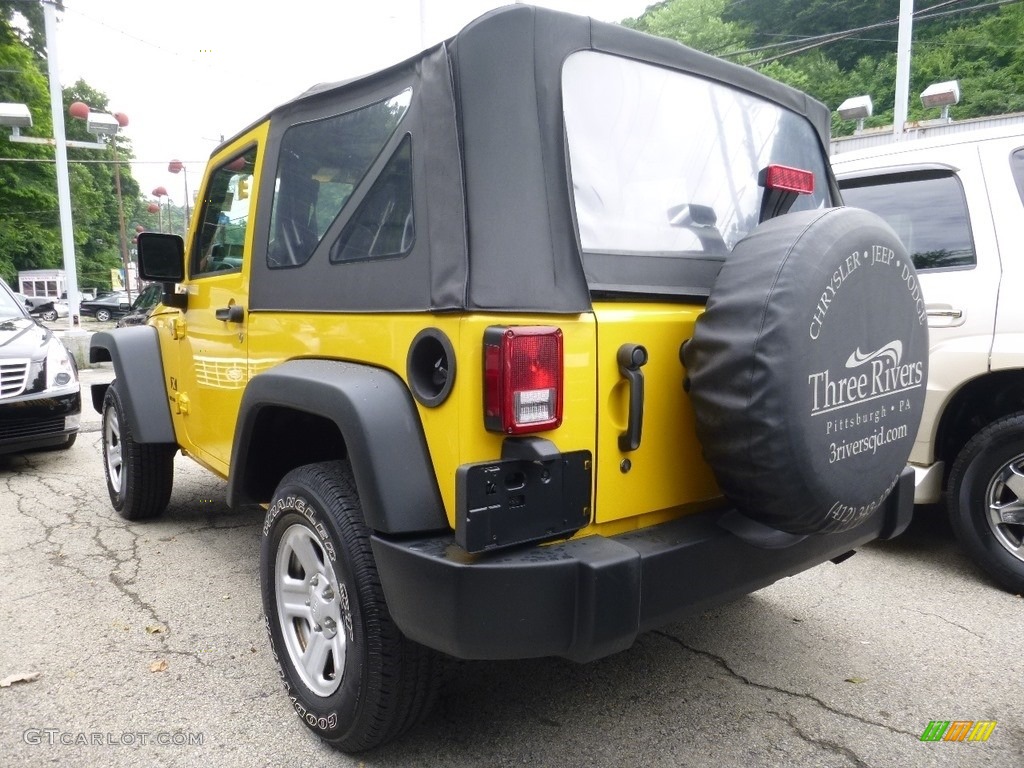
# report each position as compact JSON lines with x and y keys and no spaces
{"x":30,"y":422}
{"x":591,"y":597}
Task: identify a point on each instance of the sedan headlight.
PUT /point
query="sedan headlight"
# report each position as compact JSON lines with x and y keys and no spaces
{"x":60,"y":366}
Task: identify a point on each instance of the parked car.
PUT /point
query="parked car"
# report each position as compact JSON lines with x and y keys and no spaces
{"x":957,"y":203}
{"x":107,"y":307}
{"x":40,"y":397}
{"x":541,"y":339}
{"x":51,"y":310}
{"x":142,"y":306}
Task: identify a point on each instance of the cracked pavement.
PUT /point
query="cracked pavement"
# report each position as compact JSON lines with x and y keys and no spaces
{"x":840,"y":666}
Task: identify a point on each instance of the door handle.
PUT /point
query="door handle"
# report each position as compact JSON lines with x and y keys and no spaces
{"x":955,"y":314}
{"x":631,"y":358}
{"x":233,"y":313}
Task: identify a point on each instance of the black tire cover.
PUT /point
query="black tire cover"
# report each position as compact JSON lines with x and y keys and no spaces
{"x":808,"y":369}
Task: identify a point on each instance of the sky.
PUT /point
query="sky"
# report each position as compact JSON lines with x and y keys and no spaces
{"x":189,"y":72}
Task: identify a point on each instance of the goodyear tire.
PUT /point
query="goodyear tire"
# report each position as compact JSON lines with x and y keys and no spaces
{"x":985,"y":500}
{"x":807,"y":370}
{"x":351,"y":675}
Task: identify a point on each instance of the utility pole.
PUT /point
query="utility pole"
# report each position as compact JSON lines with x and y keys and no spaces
{"x":67,"y":236}
{"x":900,"y":107}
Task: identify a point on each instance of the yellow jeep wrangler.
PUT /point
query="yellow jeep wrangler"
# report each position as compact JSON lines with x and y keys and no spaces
{"x":538,"y":340}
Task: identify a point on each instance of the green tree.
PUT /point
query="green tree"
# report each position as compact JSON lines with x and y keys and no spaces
{"x":696,"y":23}
{"x":29,"y":217}
{"x":29,"y":230}
{"x":977,"y":44}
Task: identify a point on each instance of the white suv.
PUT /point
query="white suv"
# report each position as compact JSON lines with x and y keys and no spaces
{"x":957,"y":202}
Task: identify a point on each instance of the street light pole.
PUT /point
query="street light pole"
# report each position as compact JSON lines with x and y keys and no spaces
{"x":120,"y":220}
{"x":903,"y":45}
{"x":67,"y":235}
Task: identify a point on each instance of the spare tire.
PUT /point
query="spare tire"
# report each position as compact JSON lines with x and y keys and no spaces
{"x":807,"y":370}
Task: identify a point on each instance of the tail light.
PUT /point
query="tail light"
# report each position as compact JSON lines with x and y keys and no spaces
{"x":782,"y":185}
{"x":522,"y":379}
{"x":788,"y":179}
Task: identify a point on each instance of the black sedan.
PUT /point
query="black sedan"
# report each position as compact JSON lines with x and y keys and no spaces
{"x":107,"y":307}
{"x":142,"y":306}
{"x":40,"y":396}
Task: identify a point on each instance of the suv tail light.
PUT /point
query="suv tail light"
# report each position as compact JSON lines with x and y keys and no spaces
{"x":522,"y":379}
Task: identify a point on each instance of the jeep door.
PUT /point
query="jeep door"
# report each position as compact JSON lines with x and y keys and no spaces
{"x":212,"y":333}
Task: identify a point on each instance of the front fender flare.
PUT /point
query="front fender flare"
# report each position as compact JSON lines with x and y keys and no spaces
{"x":377,"y":418}
{"x":135,"y":353}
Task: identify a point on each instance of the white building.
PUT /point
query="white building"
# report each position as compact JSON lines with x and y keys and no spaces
{"x":44,"y":283}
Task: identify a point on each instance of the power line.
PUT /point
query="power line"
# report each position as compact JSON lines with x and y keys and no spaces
{"x":829,"y":36}
{"x":817,"y":41}
{"x":100,"y":162}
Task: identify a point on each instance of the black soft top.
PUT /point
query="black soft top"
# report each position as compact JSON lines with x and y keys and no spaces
{"x":493,"y":205}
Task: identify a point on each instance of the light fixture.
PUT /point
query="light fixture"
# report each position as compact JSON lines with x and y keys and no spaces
{"x":941,"y":95}
{"x":15,"y":115}
{"x":856,"y":108}
{"x":101,"y":124}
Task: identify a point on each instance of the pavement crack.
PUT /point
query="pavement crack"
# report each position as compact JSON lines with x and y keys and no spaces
{"x":836,"y":749}
{"x":948,"y":621}
{"x":722,"y":663}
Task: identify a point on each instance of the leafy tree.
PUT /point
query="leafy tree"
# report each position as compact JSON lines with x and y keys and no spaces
{"x":29,"y":217}
{"x":792,"y":21}
{"x":33,"y":32}
{"x":979,"y":46}
{"x":696,"y":23}
{"x":29,"y":228}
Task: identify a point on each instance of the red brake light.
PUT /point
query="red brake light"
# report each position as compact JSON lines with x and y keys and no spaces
{"x":522,"y":379}
{"x":788,"y":179}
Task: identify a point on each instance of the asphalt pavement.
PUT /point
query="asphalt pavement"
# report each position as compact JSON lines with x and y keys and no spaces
{"x":126,"y":644}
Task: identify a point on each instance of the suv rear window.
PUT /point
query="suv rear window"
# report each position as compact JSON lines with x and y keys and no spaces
{"x":926,"y":208}
{"x":664,"y":170}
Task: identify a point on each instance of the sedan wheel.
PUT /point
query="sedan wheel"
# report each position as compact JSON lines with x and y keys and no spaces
{"x":103,"y":315}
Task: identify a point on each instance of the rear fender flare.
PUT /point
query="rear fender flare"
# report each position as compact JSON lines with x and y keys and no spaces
{"x":378,"y":421}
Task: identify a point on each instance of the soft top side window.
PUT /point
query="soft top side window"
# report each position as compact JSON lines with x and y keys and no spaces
{"x":321,"y":164}
{"x":928,"y":211}
{"x":383,"y":225}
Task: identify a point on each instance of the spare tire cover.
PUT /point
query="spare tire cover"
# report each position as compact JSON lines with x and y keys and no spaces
{"x":808,"y":369}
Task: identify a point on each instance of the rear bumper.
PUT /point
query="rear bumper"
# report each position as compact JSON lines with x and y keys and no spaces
{"x":591,"y":597}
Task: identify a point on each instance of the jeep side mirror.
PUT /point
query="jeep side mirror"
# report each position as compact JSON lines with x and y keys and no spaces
{"x":162,"y":260}
{"x":161,"y":257}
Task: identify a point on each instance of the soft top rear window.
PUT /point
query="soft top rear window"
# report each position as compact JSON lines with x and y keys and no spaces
{"x":665,"y":170}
